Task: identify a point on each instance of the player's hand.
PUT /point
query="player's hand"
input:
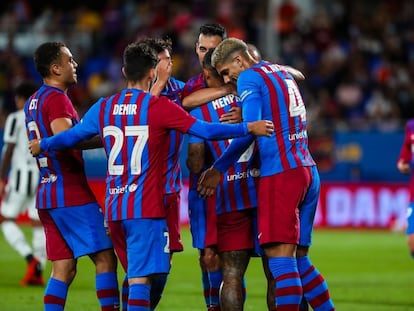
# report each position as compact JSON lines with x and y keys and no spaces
{"x":403,"y":167}
{"x":34,"y":147}
{"x":233,"y":116}
{"x":164,"y":69}
{"x":296,"y":74}
{"x":261,"y":128}
{"x":208,"y":182}
{"x":230,"y":88}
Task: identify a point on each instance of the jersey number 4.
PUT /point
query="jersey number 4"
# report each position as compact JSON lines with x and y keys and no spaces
{"x":139,"y":131}
{"x":296,"y":105}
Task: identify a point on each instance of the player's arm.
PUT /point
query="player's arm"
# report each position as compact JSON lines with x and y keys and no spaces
{"x":252,"y":110}
{"x":62,"y":124}
{"x":86,"y":129}
{"x":5,"y":165}
{"x":219,"y":131}
{"x":9,"y":138}
{"x":206,"y":95}
{"x":296,"y":74}
{"x":196,"y":157}
{"x":403,"y":163}
{"x":234,"y":115}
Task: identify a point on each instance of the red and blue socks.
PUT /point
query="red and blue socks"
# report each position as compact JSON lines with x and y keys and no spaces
{"x":215,"y":278}
{"x":288,"y":285}
{"x":107,"y":291}
{"x":124,"y":293}
{"x":55,"y":295}
{"x":139,"y":297}
{"x":315,"y":288}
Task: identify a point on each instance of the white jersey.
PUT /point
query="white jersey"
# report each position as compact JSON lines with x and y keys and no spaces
{"x":24,"y":173}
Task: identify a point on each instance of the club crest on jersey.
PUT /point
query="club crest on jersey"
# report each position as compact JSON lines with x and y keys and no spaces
{"x":124,"y":109}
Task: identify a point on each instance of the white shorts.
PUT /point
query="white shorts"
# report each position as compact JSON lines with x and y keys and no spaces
{"x":20,"y":195}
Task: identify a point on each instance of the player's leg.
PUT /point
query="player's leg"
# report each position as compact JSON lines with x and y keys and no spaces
{"x":103,"y":256}
{"x":279,"y":198}
{"x":118,"y":237}
{"x":38,"y":241}
{"x":12,"y":206}
{"x":315,"y":288}
{"x":90,"y":237}
{"x":208,"y":261}
{"x":235,"y":244}
{"x":271,"y":289}
{"x":148,"y":256}
{"x":172,"y":210}
{"x":233,"y":265}
{"x":210,"y":258}
{"x":410,"y":229}
{"x":63,"y":265}
{"x":270,"y":292}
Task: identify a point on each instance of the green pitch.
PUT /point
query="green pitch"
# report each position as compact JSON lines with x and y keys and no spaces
{"x":365,"y":270}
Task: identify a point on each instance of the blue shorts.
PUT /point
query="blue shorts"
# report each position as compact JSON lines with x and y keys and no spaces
{"x":308,"y":209}
{"x":77,"y":229}
{"x":410,"y":219}
{"x":142,"y":245}
{"x":198,"y":218}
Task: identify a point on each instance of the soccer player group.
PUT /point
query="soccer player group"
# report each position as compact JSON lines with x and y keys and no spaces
{"x":254,"y":186}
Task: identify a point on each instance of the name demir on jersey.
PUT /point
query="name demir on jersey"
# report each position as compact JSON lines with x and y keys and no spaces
{"x":125,"y":109}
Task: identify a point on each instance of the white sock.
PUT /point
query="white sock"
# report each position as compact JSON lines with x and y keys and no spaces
{"x":14,"y":235}
{"x":39,"y":245}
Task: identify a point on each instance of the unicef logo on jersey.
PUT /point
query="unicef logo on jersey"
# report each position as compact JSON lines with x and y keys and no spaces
{"x":123,"y":189}
{"x":255,"y":172}
{"x":50,"y":179}
{"x":132,"y":188}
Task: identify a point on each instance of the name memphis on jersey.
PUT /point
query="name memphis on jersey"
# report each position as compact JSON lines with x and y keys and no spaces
{"x":224,"y":101}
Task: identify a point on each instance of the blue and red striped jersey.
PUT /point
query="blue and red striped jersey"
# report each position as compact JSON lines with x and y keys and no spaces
{"x":62,"y":180}
{"x":237,"y":189}
{"x":270,"y":93}
{"x":193,"y":84}
{"x":134,"y":127}
{"x":172,"y":169}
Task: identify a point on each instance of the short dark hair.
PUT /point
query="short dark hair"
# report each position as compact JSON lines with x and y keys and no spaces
{"x":207,"y":63}
{"x":213,"y":29}
{"x":25,"y":89}
{"x":159,"y":45}
{"x":45,"y":55}
{"x":138,"y":59}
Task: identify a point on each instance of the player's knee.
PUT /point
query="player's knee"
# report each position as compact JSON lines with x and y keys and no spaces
{"x":105,"y":261}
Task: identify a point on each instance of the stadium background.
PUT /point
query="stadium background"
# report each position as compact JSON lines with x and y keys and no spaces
{"x":357,"y":56}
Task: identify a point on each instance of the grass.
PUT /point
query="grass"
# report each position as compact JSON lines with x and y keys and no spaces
{"x":366,"y":271}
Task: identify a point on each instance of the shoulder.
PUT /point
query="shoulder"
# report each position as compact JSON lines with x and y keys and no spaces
{"x":410,"y":123}
{"x":177,"y":83}
{"x":251,"y":74}
{"x":193,"y":84}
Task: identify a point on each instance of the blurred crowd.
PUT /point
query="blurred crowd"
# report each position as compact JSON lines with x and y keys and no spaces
{"x":357,"y":56}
